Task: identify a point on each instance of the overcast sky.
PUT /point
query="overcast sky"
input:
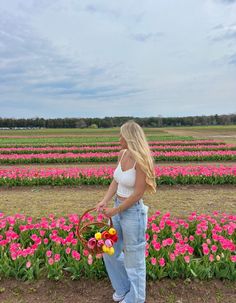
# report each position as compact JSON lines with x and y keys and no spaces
{"x":97,"y":58}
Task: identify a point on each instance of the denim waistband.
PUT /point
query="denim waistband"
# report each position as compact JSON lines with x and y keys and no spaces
{"x":138,"y":203}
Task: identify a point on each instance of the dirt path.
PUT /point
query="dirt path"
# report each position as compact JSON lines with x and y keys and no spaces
{"x":89,"y":291}
{"x":224,"y":134}
{"x":179,"y":200}
{"x":113,"y":164}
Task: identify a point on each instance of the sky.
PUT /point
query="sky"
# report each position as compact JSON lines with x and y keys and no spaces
{"x":103,"y":58}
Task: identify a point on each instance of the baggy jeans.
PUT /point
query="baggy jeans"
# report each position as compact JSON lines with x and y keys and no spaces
{"x":127,"y":267}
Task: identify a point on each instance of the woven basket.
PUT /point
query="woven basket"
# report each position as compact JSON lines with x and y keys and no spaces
{"x":83,"y":227}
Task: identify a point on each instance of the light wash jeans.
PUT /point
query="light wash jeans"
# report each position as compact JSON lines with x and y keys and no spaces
{"x":127,"y":267}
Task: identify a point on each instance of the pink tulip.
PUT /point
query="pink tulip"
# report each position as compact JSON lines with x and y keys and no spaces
{"x":162,"y":262}
{"x":153,"y":261}
{"x":57,"y":257}
{"x":68,"y":250}
{"x":108,"y":242}
{"x":91,"y":243}
{"x":100,"y":243}
{"x":45,"y":241}
{"x":90,"y":259}
{"x":98,"y":256}
{"x":172,"y":257}
{"x":75,"y":255}
{"x":187,"y":259}
{"x":211,"y":258}
{"x":85,"y":252}
{"x":50,"y":261}
{"x":48,"y":253}
{"x":214,"y":248}
{"x":233,"y":258}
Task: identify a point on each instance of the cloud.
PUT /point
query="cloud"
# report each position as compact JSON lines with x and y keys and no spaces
{"x":92,"y":8}
{"x":31,"y":65}
{"x":144,"y":37}
{"x":227,"y":1}
{"x":232,"y":59}
{"x":116,"y":11}
{"x":221,"y":33}
{"x":102,"y":57}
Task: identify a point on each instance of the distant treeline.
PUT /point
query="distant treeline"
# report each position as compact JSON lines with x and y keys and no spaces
{"x":117,"y":121}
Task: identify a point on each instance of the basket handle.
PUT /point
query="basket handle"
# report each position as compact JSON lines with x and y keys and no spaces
{"x":80,"y":220}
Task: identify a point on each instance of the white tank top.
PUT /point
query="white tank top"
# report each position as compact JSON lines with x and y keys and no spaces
{"x":125,"y":179}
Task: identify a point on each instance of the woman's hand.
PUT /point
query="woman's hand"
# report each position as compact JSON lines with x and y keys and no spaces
{"x":110,"y":212}
{"x":100,"y":206}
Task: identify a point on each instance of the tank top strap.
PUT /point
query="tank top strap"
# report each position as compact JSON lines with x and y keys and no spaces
{"x":134,"y":164}
{"x":123,"y":154}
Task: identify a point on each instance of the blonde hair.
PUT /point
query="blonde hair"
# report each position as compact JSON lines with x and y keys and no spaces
{"x":139,"y":148}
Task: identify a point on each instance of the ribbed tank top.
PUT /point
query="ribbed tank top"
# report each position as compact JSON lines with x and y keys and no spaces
{"x":125,"y":179}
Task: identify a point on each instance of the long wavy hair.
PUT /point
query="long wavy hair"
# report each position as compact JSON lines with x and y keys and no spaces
{"x":139,"y":148}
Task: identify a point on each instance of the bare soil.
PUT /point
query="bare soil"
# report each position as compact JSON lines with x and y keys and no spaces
{"x":179,"y":200}
{"x":113,"y":164}
{"x":226,"y":134}
{"x":88,"y":291}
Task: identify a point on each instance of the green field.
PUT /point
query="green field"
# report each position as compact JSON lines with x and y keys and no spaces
{"x":79,"y":136}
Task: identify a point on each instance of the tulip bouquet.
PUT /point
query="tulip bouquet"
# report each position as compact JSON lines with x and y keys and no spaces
{"x":97,"y":237}
{"x":104,"y":240}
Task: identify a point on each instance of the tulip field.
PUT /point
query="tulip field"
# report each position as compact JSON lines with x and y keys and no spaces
{"x":202,"y":246}
{"x":199,"y":246}
{"x":103,"y":175}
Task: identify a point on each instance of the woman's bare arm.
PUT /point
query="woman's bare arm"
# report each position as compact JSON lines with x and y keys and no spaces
{"x":111,"y":190}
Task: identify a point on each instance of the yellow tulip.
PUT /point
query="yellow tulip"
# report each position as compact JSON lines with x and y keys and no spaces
{"x":112,"y":231}
{"x":105,"y":248}
{"x":111,"y":251}
{"x":98,"y":236}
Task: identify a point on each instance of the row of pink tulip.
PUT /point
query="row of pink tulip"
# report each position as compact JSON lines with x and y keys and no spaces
{"x":75,"y":149}
{"x":103,"y":175}
{"x":201,"y":246}
{"x":111,"y":157}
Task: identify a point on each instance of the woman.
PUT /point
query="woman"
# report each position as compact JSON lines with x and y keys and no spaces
{"x":133,"y":175}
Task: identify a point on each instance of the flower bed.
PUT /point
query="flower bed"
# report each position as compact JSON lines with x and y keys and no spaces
{"x":103,"y":175}
{"x":104,"y":143}
{"x":112,"y":157}
{"x":109,"y":148}
{"x":200,"y":246}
